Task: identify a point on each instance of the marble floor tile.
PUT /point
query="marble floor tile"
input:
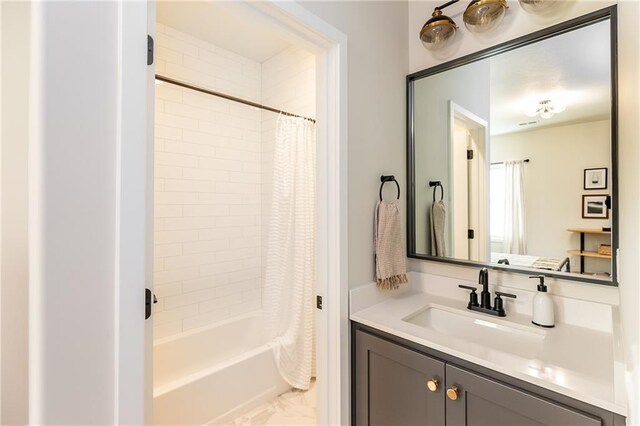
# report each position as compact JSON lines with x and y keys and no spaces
{"x":295,"y":408}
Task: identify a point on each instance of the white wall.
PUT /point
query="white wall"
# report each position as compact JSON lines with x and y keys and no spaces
{"x":72,"y":212}
{"x":629,"y":194}
{"x":14,"y":266}
{"x":518,"y":23}
{"x":377,"y":67}
{"x":207,"y":225}
{"x":553,"y":185}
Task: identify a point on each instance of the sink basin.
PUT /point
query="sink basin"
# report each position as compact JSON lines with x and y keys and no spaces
{"x":480,"y":329}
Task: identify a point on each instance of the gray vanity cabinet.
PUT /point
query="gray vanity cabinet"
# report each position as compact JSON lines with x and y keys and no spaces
{"x":392,"y":385}
{"x":484,"y":402}
{"x":400,"y":385}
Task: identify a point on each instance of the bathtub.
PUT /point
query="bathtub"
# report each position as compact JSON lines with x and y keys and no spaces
{"x":213,"y":374}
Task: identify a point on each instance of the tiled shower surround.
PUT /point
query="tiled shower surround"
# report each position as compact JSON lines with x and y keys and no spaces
{"x":213,"y":162}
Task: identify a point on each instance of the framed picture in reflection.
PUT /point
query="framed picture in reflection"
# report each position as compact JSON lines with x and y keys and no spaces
{"x":595,"y":178}
{"x":595,"y":206}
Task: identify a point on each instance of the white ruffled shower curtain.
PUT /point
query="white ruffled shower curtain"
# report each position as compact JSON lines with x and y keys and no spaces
{"x":290,"y":277}
{"x":515,"y":232}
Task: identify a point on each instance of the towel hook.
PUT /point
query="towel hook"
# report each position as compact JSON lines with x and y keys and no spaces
{"x":437,"y":184}
{"x":384,"y":179}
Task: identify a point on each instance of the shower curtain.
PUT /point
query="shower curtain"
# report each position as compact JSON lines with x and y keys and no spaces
{"x":515,"y":234}
{"x":290,"y":276}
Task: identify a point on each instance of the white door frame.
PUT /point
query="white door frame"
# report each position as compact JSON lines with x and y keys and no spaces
{"x":330,"y":47}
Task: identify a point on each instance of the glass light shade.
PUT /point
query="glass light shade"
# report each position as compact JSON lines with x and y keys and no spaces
{"x":546,"y":113}
{"x":484,"y":15}
{"x":533,"y":6}
{"x":438,"y":32}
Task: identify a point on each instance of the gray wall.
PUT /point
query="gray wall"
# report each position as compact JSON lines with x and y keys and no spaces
{"x":378,"y":64}
{"x":432,"y":96}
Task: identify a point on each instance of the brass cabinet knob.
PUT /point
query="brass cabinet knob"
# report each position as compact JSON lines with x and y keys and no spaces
{"x":452,"y":393}
{"x":433,"y":384}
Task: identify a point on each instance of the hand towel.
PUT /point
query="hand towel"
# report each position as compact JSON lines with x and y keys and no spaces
{"x":391,"y":262}
{"x":437,"y":222}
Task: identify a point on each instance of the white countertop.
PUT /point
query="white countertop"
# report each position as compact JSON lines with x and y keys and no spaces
{"x":582,"y":363}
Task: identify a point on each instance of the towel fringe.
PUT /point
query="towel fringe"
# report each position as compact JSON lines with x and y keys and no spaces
{"x":392,"y":283}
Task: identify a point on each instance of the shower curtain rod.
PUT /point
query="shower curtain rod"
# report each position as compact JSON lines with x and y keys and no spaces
{"x":526,"y":160}
{"x":228,"y":97}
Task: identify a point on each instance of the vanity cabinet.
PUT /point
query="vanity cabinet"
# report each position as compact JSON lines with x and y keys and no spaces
{"x":397,"y":384}
{"x":482,"y":401}
{"x":392,"y":385}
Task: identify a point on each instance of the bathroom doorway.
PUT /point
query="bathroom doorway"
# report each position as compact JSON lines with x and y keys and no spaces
{"x":218,"y":183}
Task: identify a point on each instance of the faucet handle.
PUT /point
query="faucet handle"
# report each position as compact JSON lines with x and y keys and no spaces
{"x":500,"y":293}
{"x":473,"y":296}
{"x":498,"y":304}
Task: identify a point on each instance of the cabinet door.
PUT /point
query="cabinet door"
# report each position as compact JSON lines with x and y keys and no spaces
{"x":391,"y":385}
{"x":484,"y":402}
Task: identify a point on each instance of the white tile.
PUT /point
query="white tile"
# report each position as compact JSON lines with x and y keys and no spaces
{"x":204,"y":282}
{"x":175,"y":198}
{"x":164,"y":237}
{"x":235,"y":287}
{"x":206,"y":174}
{"x":174,"y":275}
{"x":188,"y":185}
{"x":190,"y":298}
{"x":178,"y":160}
{"x":171,"y":210}
{"x":166,"y":250}
{"x":206,"y":210}
{"x":167,"y":329}
{"x":220,"y":302}
{"x":221,"y":268}
{"x":169,"y":315}
{"x":175,"y":224}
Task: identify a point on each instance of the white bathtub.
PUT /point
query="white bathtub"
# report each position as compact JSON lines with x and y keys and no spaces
{"x":214,"y":374}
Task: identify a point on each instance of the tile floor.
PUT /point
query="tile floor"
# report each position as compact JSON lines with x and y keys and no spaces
{"x":291,"y":408}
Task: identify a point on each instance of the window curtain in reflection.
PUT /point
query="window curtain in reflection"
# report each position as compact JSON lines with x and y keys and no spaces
{"x":515,"y":234}
{"x":290,"y":276}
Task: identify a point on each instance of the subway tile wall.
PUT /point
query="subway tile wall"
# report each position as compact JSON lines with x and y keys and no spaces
{"x":213,"y":162}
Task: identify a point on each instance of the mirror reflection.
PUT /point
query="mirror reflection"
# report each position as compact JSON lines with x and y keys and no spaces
{"x":512,"y":157}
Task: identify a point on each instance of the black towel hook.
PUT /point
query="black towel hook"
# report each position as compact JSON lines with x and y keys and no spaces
{"x":437,"y":184}
{"x":384,"y":179}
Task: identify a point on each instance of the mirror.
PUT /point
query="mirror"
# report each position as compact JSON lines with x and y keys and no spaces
{"x":511,"y":155}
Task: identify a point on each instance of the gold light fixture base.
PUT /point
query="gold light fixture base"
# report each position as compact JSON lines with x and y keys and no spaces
{"x":438,"y":31}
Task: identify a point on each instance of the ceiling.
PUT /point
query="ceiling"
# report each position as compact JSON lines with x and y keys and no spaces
{"x":221,"y":24}
{"x":572,"y":69}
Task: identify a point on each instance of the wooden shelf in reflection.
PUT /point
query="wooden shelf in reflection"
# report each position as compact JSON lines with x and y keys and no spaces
{"x":588,"y":231}
{"x":588,"y":254}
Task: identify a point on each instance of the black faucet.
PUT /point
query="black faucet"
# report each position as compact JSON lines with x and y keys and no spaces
{"x":485,"y":297}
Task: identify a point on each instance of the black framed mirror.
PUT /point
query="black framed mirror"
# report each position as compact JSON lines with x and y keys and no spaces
{"x":512,"y":155}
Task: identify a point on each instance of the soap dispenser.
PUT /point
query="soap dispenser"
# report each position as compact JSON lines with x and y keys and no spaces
{"x":542,"y":305}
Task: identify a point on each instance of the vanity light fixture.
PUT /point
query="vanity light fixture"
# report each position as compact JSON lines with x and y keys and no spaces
{"x":439,"y":31}
{"x":546,"y":109}
{"x":479,"y":16}
{"x":533,"y":6}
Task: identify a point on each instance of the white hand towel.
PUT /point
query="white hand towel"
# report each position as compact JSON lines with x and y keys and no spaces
{"x":437,"y":223}
{"x":391,"y":262}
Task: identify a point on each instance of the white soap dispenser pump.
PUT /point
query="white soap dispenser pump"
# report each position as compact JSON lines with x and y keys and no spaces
{"x":542,"y":306}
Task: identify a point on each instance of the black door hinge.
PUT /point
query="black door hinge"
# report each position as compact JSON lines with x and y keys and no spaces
{"x":469,"y":154}
{"x":471,"y":234}
{"x":319,"y":302}
{"x":149,"y":50}
{"x":149,"y":300}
